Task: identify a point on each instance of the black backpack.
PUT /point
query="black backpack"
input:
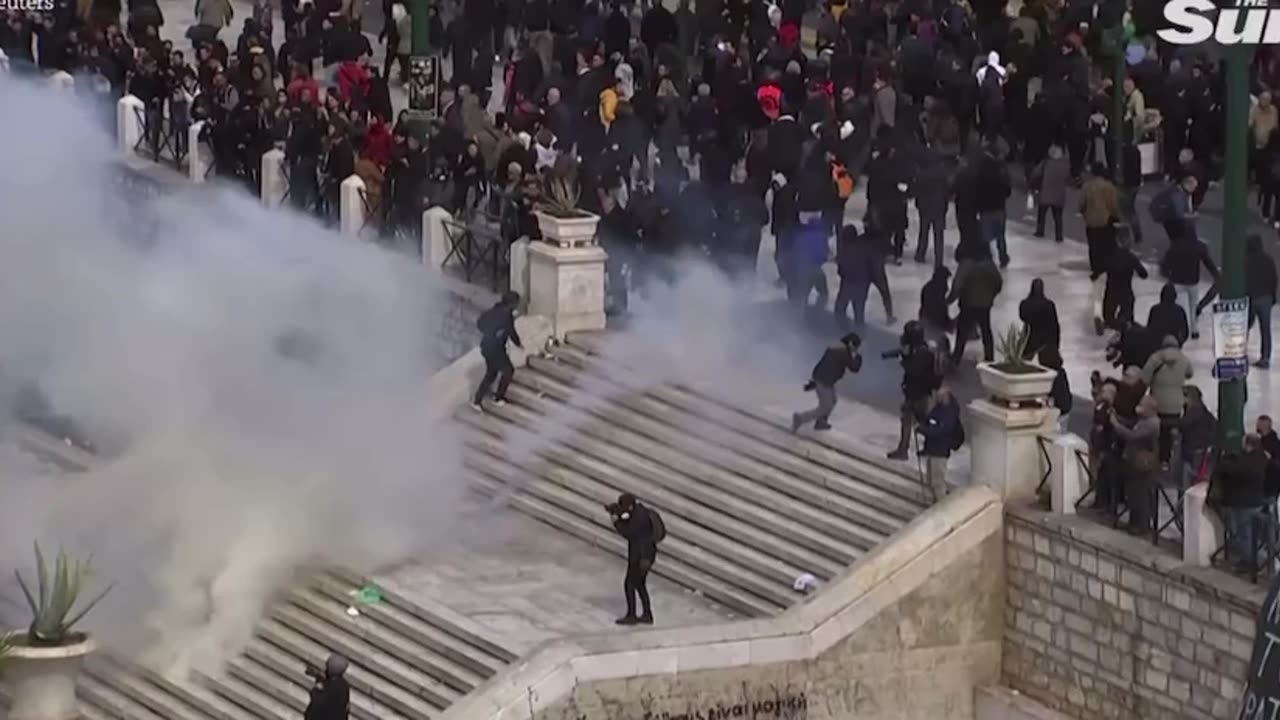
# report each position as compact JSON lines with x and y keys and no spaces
{"x":1161,"y":208}
{"x":659,"y":527}
{"x":957,"y":439}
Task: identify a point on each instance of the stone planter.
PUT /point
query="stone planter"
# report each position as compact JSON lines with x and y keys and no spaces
{"x":42,"y":680}
{"x":1016,"y":389}
{"x":566,"y":286}
{"x":568,"y":232}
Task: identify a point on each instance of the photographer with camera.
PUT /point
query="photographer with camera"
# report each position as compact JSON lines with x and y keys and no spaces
{"x":920,"y":377}
{"x":330,"y":695}
{"x":643,"y":529}
{"x":838,"y":358}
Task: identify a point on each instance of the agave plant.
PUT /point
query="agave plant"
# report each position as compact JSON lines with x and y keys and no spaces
{"x":6,"y":647}
{"x":1011,"y":347}
{"x":56,"y":597}
{"x":560,"y":196}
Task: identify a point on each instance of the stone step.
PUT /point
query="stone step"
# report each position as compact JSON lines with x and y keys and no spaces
{"x":110,"y":702}
{"x":257,"y":703}
{"x":371,"y":696}
{"x":139,"y":692}
{"x":897,"y":492}
{"x":367,"y":646}
{"x":261,"y":672}
{"x":430,"y":625}
{"x":858,"y":505}
{"x":195,"y":695}
{"x":674,"y":569}
{"x":834,"y":450}
{"x":743,"y":580}
{"x":837,"y":527}
{"x":704,"y":526}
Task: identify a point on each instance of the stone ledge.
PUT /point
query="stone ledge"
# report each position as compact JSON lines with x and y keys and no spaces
{"x":888,"y":573}
{"x":1001,"y":703}
{"x":1235,"y":592}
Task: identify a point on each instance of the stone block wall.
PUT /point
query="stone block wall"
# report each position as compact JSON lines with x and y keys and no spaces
{"x":1102,"y":625}
{"x":459,"y":306}
{"x":918,"y":659}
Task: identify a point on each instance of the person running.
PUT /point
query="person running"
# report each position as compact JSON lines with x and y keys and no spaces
{"x":497,"y":326}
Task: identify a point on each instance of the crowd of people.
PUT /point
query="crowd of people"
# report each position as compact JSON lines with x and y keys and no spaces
{"x":697,"y":130}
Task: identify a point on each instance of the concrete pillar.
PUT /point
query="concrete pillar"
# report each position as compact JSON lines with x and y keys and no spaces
{"x":274,"y":184}
{"x":435,"y":244}
{"x":1068,"y":479}
{"x":1004,"y":447}
{"x":199,"y":155}
{"x":567,"y":286}
{"x":129,"y":128}
{"x":519,"y":280}
{"x":1202,"y":531}
{"x":351,"y":206}
{"x":62,"y":80}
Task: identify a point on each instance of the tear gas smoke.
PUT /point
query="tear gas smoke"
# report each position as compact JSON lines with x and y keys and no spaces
{"x":260,"y":383}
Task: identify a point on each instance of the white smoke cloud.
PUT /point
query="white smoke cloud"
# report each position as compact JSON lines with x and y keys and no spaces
{"x":258,"y":382}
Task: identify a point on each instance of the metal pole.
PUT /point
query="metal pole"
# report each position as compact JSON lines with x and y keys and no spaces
{"x":421,"y":30}
{"x":1231,"y":393}
{"x":1117,"y":109}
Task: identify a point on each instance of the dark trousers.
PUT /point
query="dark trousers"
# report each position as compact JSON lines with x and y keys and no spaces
{"x":1139,"y":489}
{"x":852,"y":294}
{"x":1102,"y":245}
{"x":1117,"y":306}
{"x":1043,"y":210}
{"x":931,"y":224}
{"x":1168,"y":426}
{"x":635,"y":584}
{"x":496,"y":366}
{"x":912,"y":411}
{"x":970,"y":319}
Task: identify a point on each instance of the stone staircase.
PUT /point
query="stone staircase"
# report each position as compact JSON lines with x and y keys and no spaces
{"x":407,"y":661}
{"x":748,"y":506}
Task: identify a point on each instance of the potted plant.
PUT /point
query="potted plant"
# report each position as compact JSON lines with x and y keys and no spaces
{"x":1015,"y":381}
{"x":560,"y":220}
{"x":43,"y":664}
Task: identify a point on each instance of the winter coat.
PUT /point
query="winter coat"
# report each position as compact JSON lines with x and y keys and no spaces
{"x":1054,"y":178}
{"x":1183,"y":260}
{"x":940,"y":428}
{"x":1260,"y":276}
{"x":1099,"y":202}
{"x":977,"y":284}
{"x":1167,"y":318}
{"x":1041,"y":316}
{"x":1165,"y":373}
{"x":214,"y":13}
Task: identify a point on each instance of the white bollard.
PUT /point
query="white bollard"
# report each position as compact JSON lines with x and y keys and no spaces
{"x":1068,"y":480}
{"x":519,"y":279}
{"x":435,"y":243}
{"x":129,"y":129}
{"x":199,"y":154}
{"x":350,"y":206}
{"x":274,"y":184}
{"x":62,"y":80}
{"x":1202,"y":528}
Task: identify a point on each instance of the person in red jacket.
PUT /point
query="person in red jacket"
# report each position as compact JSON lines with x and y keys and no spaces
{"x":353,"y":79}
{"x":303,"y":87}
{"x":378,"y":142}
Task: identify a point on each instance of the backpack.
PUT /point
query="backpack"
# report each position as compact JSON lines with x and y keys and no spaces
{"x":991,"y":91}
{"x":1161,"y":208}
{"x":957,"y":439}
{"x":843,"y":180}
{"x":659,"y":527}
{"x":941,"y":349}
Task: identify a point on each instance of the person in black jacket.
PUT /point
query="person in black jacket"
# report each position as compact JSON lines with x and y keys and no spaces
{"x":933,"y":193}
{"x":1260,"y":286}
{"x":842,"y":356}
{"x":1041,"y":317}
{"x":919,"y":380}
{"x":1118,"y":298}
{"x":1238,"y":489}
{"x":330,"y":695}
{"x":941,"y":430}
{"x":497,"y":325}
{"x":1167,"y":318}
{"x":1060,"y":393}
{"x":634,"y":522}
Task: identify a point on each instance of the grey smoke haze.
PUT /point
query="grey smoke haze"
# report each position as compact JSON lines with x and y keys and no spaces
{"x":260,"y":381}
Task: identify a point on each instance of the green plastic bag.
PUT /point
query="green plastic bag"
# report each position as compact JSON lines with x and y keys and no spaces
{"x":368,"y":594}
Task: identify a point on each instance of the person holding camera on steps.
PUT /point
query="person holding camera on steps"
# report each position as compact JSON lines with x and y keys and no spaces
{"x":920,"y":377}
{"x":330,"y":696}
{"x":643,"y":529}
{"x":943,"y":433}
{"x":497,"y":325}
{"x":840,"y":357}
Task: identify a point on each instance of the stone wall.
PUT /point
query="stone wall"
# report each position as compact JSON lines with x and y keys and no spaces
{"x":892,"y":638}
{"x":1100,"y":624}
{"x":459,"y":306}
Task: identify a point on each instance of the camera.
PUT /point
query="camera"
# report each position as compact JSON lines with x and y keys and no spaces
{"x":617,"y":511}
{"x":312,"y":671}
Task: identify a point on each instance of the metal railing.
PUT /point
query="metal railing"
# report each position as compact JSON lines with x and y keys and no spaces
{"x":478,"y":250}
{"x":161,"y":140}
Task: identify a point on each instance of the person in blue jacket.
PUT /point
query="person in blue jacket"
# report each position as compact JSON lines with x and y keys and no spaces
{"x":943,"y":434}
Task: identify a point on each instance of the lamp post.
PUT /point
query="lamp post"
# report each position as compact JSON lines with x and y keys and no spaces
{"x":1235,"y":190}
